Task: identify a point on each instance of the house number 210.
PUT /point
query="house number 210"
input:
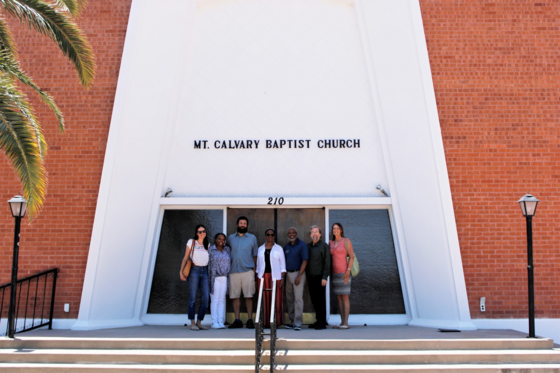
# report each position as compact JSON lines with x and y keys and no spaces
{"x":275,"y":201}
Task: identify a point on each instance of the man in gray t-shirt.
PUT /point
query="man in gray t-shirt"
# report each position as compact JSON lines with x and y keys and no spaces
{"x":244,"y":249}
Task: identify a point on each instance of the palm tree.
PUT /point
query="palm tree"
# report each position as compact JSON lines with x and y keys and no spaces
{"x":21,"y":137}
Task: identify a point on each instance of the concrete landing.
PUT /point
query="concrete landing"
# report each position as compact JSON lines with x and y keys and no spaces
{"x":388,"y":332}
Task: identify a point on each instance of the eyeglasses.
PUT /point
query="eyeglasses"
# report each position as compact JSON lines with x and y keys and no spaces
{"x":199,"y":232}
{"x":270,"y":235}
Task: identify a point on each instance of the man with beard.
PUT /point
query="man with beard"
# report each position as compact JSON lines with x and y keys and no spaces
{"x":318,"y":271}
{"x":296,"y":260}
{"x":244,"y":249}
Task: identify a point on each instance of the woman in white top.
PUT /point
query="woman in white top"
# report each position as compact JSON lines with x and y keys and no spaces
{"x":197,"y":251}
{"x":271,"y":266}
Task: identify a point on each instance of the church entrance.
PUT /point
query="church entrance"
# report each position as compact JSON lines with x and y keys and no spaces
{"x":375,"y":291}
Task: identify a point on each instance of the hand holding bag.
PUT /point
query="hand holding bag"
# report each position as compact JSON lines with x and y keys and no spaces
{"x":355,"y":266}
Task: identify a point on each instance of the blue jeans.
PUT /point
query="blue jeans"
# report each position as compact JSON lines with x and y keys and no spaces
{"x":198,"y":278}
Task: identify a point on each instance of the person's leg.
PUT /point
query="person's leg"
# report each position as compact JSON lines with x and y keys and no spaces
{"x":204,"y":295}
{"x":215,"y":304}
{"x":313,"y":293}
{"x":221,"y":287}
{"x":298,"y":301}
{"x":340,"y":309}
{"x":236,"y":306}
{"x":235,"y":293}
{"x":321,"y":304}
{"x":346,"y":303}
{"x":248,"y":286}
{"x":290,"y":295}
{"x":194,"y":278}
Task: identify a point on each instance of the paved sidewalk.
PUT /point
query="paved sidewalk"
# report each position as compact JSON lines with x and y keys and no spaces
{"x":355,"y":332}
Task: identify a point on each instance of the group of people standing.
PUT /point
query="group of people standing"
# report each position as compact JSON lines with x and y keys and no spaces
{"x":232,"y":264}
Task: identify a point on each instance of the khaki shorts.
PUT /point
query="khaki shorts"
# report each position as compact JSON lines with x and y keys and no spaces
{"x":242,"y":281}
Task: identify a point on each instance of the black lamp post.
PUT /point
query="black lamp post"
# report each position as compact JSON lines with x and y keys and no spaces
{"x":528,"y":205}
{"x":18,"y":205}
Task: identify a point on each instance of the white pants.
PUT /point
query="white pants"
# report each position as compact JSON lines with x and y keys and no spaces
{"x":218,"y":304}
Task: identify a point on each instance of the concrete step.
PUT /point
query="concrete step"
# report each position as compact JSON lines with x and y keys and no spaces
{"x":283,"y":357}
{"x":292,"y":344}
{"x":133,"y":368}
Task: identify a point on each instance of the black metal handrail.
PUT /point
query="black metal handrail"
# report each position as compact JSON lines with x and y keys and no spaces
{"x":32,"y":309}
{"x":259,"y":328}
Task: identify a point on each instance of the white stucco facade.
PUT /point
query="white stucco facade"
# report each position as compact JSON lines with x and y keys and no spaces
{"x":223,"y":71}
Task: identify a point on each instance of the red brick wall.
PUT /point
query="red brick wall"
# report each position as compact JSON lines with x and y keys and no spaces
{"x":60,"y":236}
{"x":496,"y":76}
{"x":496,"y":68}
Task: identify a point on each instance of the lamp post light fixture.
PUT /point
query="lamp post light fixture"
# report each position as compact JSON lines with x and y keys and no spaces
{"x":18,"y":205}
{"x":528,"y":204}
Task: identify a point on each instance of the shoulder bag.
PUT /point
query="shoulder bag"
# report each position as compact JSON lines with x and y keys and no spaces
{"x":355,"y":266}
{"x":187,"y":268}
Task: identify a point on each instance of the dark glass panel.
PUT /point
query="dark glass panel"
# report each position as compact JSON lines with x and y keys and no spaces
{"x":301,"y":219}
{"x":377,"y":288}
{"x":169,"y":295}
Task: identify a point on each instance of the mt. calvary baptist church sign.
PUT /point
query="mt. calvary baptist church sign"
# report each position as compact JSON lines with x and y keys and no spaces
{"x":278,"y":144}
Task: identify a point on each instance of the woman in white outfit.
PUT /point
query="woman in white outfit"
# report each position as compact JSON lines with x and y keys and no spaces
{"x":271,"y":266}
{"x":218,"y":273}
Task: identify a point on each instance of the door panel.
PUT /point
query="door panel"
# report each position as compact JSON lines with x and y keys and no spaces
{"x":377,"y":288}
{"x":259,"y":221}
{"x":169,"y":295}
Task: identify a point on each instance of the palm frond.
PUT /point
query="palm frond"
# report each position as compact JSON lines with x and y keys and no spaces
{"x":6,"y":40}
{"x":60,"y":28}
{"x":74,"y":7}
{"x":18,"y":140}
{"x":11,"y":69}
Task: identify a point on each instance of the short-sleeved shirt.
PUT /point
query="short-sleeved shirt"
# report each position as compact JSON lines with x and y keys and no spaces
{"x":243,"y":250}
{"x":295,"y":254}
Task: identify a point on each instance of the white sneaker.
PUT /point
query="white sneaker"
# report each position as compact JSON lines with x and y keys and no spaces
{"x":216,"y":326}
{"x":221,"y":325}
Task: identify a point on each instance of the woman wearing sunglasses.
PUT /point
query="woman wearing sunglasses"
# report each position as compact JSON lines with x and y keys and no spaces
{"x":197,"y":251}
{"x":271,"y":266}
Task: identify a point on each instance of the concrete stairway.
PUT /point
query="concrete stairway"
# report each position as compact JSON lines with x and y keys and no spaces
{"x":237,"y":355}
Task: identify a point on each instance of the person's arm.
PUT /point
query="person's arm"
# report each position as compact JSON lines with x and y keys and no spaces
{"x":184,"y":262}
{"x":326,"y":263}
{"x":350,"y":261}
{"x":282,"y":266}
{"x":255,"y":253}
{"x":210,"y":273}
{"x":305,"y":260}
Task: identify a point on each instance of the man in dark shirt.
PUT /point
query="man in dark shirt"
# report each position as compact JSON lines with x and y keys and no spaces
{"x":296,"y":260}
{"x":318,"y":271}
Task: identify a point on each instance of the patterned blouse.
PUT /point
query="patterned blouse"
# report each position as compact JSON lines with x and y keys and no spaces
{"x":219,"y":265}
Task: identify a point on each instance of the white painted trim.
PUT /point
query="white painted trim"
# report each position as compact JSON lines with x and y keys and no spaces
{"x":156,"y":219}
{"x":441,"y":165}
{"x":290,"y":202}
{"x":548,"y":328}
{"x":151,"y":264}
{"x":121,"y":98}
{"x":106,"y":324}
{"x":405,"y":271}
{"x":56,"y":324}
{"x":63,"y":323}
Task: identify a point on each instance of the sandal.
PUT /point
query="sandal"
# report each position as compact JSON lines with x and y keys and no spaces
{"x":201,"y":327}
{"x":336,"y":327}
{"x":343,"y":327}
{"x":194,"y":327}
